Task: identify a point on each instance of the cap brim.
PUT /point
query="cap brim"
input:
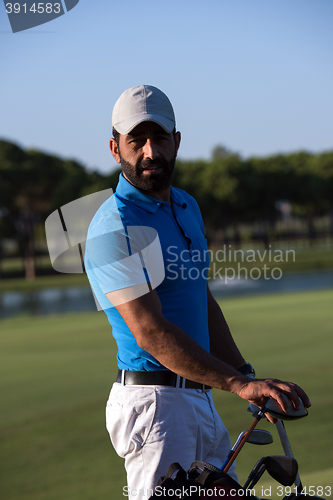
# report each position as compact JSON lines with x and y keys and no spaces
{"x":128,"y":125}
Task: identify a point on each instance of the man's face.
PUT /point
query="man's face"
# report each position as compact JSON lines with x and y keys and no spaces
{"x":147,"y":156}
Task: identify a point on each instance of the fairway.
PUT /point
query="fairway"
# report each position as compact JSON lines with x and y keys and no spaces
{"x":56,"y":373}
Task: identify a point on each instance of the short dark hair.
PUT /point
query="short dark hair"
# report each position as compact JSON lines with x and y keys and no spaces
{"x":116,"y":135}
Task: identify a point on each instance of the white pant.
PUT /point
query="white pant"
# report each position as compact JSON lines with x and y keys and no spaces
{"x":154,"y":426}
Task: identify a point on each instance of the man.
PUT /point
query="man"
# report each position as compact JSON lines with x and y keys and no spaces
{"x":174,"y":343}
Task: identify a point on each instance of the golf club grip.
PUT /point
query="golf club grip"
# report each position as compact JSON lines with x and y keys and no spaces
{"x":231,"y":452}
{"x":286,"y":446}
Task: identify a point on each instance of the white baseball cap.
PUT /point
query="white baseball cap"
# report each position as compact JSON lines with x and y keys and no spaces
{"x":140,"y":104}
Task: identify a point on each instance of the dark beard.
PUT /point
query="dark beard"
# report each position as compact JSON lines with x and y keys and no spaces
{"x":153,"y":182}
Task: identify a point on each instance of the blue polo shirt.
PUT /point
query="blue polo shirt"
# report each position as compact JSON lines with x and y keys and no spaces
{"x":111,"y":262}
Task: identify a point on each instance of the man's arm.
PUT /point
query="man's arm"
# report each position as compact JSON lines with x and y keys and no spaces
{"x":222,"y":345}
{"x":175,"y":350}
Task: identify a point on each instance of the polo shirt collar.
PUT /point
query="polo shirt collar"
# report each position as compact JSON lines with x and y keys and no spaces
{"x":129,"y":192}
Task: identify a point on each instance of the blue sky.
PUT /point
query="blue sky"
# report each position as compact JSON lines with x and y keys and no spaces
{"x":253,"y":75}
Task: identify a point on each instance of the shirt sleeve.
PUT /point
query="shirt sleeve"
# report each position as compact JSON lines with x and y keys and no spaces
{"x":121,"y":254}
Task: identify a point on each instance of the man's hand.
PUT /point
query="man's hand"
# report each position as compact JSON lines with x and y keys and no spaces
{"x":259,"y":390}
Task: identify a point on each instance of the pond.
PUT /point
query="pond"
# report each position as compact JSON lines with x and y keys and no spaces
{"x":80,"y":299}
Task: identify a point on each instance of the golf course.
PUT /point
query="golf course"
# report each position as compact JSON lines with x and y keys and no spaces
{"x":57,"y":371}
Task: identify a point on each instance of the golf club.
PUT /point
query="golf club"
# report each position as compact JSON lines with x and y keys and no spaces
{"x":281,"y":468}
{"x":243,"y":439}
{"x":258,"y":437}
{"x":287,"y":449}
{"x":274,"y":409}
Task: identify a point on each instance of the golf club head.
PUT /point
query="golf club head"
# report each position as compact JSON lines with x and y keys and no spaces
{"x":257,"y":436}
{"x":260,"y":437}
{"x":281,"y":468}
{"x":255,"y":474}
{"x":274,"y":409}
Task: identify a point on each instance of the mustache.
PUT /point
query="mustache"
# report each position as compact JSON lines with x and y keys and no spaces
{"x":157,"y":162}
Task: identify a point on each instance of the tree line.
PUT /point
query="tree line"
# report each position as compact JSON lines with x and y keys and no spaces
{"x":228,"y":188}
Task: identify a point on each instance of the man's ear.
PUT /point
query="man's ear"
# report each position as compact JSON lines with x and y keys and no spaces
{"x":115,"y":149}
{"x":177,"y":140}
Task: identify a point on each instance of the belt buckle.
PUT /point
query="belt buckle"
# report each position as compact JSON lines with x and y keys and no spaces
{"x":205,"y":388}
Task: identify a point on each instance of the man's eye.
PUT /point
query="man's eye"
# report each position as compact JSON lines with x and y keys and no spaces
{"x":136,"y":140}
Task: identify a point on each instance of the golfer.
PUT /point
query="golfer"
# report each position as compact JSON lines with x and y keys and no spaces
{"x":173,"y":342}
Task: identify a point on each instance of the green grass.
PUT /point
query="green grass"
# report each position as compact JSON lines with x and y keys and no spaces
{"x":56,"y":373}
{"x":288,"y":337}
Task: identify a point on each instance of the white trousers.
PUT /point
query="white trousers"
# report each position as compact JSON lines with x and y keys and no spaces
{"x":153,"y":426}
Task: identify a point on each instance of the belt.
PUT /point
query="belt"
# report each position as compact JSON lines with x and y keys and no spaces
{"x":158,"y":377}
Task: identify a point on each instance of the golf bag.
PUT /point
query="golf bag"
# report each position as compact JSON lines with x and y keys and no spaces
{"x":202,"y":480}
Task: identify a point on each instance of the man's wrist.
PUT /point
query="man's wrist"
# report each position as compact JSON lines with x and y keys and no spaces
{"x":247,"y":369}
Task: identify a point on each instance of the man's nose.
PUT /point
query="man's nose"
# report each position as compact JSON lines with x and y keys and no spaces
{"x":149,"y":149}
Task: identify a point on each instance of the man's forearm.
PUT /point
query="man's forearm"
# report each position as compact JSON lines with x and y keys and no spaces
{"x":175,"y":350}
{"x":178,"y":352}
{"x":172,"y":347}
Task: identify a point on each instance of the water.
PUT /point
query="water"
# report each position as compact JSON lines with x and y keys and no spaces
{"x":293,"y":282}
{"x":46,"y":301}
{"x":79,"y":299}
